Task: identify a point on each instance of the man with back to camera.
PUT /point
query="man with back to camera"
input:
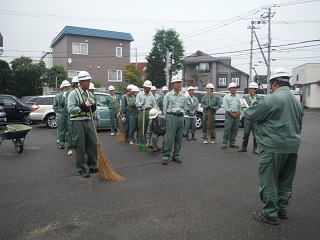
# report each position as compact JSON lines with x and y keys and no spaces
{"x":279,"y":121}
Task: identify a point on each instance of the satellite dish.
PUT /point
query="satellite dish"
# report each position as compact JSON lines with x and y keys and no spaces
{"x":69,"y":60}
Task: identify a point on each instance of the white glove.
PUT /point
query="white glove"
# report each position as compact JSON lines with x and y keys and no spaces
{"x":64,"y":94}
{"x":88,"y":103}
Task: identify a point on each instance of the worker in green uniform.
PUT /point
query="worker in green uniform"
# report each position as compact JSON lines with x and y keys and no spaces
{"x":231,"y":102}
{"x":210,"y":103}
{"x":144,"y":102}
{"x":113,"y":103}
{"x":75,"y":84}
{"x":63,"y":116}
{"x":173,"y":110}
{"x":96,"y":115}
{"x":133,"y":114}
{"x":155,"y":94}
{"x":279,"y":121}
{"x":191,"y":107}
{"x":80,"y":107}
{"x":251,"y":99}
{"x":161,"y":98}
{"x":126,"y":110}
{"x":156,"y":128}
{"x":56,"y":109}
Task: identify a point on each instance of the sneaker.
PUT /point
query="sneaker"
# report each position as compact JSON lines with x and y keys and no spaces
{"x":131,"y":143}
{"x":234,"y":146}
{"x":61,"y":147}
{"x":112,"y":134}
{"x":177,"y":160}
{"x":212,"y":142}
{"x":164,"y":162}
{"x":260,"y":218}
{"x":57,"y":141}
{"x":223,"y":147}
{"x":205,"y":141}
{"x":94,"y":170}
{"x":70,"y":152}
{"x":84,"y":174}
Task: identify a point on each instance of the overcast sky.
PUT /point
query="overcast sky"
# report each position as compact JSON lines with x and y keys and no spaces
{"x":218,"y":28}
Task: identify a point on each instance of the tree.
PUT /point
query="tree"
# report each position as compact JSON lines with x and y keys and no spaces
{"x":21,"y":62}
{"x":156,"y":68}
{"x":53,"y":74}
{"x":166,"y":42}
{"x":6,"y":80}
{"x":132,"y":75}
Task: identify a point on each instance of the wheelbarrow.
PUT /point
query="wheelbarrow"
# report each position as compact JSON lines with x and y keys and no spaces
{"x":15,"y":132}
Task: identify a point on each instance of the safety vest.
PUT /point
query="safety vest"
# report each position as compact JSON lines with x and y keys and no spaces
{"x":73,"y":115}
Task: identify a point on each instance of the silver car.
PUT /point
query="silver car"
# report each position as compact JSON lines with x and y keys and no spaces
{"x":3,"y":117}
{"x":42,"y":111}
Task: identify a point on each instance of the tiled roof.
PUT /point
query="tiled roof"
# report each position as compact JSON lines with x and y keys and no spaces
{"x":91,"y":33}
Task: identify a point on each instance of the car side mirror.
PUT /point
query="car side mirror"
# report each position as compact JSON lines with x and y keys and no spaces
{"x":14,"y":104}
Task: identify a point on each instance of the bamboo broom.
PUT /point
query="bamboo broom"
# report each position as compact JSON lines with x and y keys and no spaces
{"x":104,"y":167}
{"x":209,"y":121}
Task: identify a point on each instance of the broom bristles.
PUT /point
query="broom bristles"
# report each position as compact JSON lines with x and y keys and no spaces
{"x":209,"y":124}
{"x":105,"y":170}
{"x":121,"y":138}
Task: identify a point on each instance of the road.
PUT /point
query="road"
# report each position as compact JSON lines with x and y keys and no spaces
{"x":211,"y":195}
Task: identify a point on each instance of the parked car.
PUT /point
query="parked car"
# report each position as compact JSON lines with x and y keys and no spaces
{"x":3,"y":117}
{"x":103,"y":110}
{"x":30,"y":100}
{"x":42,"y":111}
{"x":16,"y":110}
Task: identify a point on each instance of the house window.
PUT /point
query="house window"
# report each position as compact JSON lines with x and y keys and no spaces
{"x":72,"y":73}
{"x":80,"y":48}
{"x":119,"y":52}
{"x":297,"y":79}
{"x":204,"y":67}
{"x":115,"y":75}
{"x":236,"y":80}
{"x":222,"y":82}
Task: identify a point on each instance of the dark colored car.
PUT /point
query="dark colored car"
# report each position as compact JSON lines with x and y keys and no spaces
{"x":16,"y":110}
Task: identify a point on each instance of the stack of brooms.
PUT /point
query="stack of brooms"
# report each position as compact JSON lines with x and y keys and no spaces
{"x":104,"y":167}
{"x":121,"y":138}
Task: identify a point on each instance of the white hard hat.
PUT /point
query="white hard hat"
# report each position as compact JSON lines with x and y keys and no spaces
{"x":75,"y":79}
{"x":176,"y":79}
{"x":91,"y":86}
{"x":232,"y":85}
{"x":281,"y":73}
{"x":253,"y":85}
{"x":147,"y":83}
{"x":164,"y":88}
{"x":210,"y":85}
{"x":111,"y":88}
{"x":130,"y":86}
{"x":190,"y":88}
{"x":65,"y":83}
{"x":153,"y":113}
{"x":135,"y":89}
{"x":153,"y":88}
{"x":84,"y":75}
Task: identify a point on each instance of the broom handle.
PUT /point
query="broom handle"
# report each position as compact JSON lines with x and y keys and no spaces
{"x":143,"y":117}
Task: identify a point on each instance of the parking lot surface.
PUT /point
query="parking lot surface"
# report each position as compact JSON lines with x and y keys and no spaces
{"x":211,"y":195}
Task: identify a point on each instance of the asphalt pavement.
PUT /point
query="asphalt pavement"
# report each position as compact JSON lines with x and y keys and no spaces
{"x":210,"y":195}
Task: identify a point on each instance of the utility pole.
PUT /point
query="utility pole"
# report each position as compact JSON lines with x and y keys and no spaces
{"x":136,"y":57}
{"x":269,"y":45}
{"x":167,"y":68}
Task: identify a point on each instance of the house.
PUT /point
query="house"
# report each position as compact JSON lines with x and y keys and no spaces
{"x":201,"y":68}
{"x":142,"y":66}
{"x":102,"y":53}
{"x":307,"y":78}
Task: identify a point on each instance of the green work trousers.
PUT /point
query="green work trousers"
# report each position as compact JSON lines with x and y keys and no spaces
{"x":205,"y":126}
{"x":84,"y":141}
{"x":113,"y":120}
{"x":174,"y":132}
{"x":133,"y":127}
{"x":142,"y":135}
{"x":276,"y":173}
{"x":189,"y":124}
{"x":63,"y":128}
{"x":249,"y":127}
{"x":231,"y":126}
{"x":155,"y":140}
{"x":69,"y":135}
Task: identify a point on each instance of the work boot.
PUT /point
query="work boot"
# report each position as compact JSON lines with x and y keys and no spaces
{"x":255,"y":146}
{"x":193,"y":138}
{"x":244,"y":145}
{"x":187,"y":138}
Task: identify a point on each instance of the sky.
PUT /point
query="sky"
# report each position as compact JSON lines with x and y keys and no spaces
{"x":218,"y":28}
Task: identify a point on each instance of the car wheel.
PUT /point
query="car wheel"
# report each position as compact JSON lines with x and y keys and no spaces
{"x":26,"y":120}
{"x":199,"y":121}
{"x":51,"y":121}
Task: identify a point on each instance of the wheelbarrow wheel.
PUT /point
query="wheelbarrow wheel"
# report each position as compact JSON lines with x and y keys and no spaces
{"x":18,"y":145}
